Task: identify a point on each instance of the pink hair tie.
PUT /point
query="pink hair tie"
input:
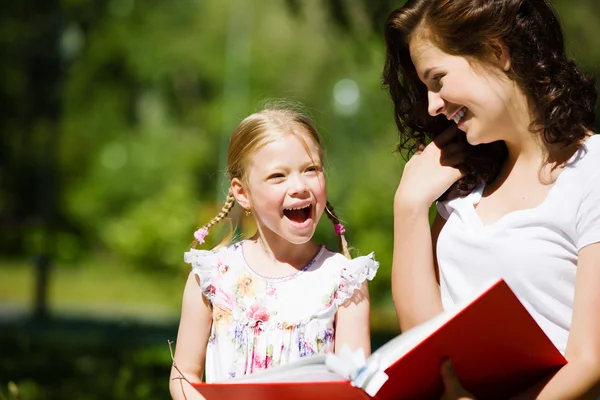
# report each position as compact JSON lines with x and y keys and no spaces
{"x":200,"y":234}
{"x":339,"y":229}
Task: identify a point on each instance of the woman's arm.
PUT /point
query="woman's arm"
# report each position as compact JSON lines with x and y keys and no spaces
{"x":353,"y":322}
{"x":415,"y":287}
{"x":192,"y":339}
{"x":580,"y":378}
{"x":426,"y":176}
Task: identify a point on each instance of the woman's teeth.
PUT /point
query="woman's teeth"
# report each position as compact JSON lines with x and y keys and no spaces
{"x":459,"y":115}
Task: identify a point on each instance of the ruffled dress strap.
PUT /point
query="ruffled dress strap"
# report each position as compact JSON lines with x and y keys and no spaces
{"x":353,"y":274}
{"x":205,"y":266}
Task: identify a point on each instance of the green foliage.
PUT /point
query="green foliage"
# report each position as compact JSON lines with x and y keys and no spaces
{"x":153,"y":94}
{"x":149,"y":94}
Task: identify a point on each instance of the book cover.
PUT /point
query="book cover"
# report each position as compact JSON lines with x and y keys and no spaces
{"x":496,"y":347}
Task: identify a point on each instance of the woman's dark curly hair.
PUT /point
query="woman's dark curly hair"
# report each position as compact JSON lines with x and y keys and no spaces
{"x":560,"y":96}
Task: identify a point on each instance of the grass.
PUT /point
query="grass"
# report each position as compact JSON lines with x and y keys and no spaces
{"x":98,"y":287}
{"x":104,"y":288}
{"x":16,"y":282}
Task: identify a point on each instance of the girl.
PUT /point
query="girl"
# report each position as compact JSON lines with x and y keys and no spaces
{"x":515,"y":162}
{"x":278,"y":296}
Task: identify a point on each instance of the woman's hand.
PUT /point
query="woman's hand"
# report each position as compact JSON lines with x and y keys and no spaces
{"x":453,"y":389}
{"x":432,"y":169}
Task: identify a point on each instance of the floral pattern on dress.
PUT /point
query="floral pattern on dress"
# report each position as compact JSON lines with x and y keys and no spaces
{"x":261,"y":322}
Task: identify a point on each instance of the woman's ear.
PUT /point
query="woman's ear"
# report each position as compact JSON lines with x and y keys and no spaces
{"x":240,"y":193}
{"x":503,"y":56}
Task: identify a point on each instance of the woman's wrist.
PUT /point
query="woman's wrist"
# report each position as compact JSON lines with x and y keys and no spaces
{"x":410,"y":203}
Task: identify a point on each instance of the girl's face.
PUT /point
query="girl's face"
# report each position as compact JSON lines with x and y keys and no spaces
{"x":477,"y":99}
{"x":286,"y":187}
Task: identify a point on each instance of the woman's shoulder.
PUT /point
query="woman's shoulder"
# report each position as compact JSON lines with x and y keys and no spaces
{"x":584,"y":165}
{"x":587,"y":155}
{"x":454,"y":201}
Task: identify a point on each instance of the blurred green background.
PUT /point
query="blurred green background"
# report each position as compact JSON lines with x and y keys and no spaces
{"x":115,"y":117}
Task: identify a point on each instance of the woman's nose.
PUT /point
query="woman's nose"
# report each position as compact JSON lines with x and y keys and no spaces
{"x":435,"y":103}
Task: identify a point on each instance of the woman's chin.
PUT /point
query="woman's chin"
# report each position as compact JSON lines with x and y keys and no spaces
{"x":474,"y":139}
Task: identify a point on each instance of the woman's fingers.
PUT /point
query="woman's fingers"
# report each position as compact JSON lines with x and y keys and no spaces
{"x":450,"y":134}
{"x":455,"y":161}
{"x":451,"y":383}
{"x":453,"y":390}
{"x":453,"y":148}
{"x":453,"y":154}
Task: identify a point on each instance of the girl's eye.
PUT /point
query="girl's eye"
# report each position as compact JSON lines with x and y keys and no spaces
{"x":313,"y":168}
{"x":275,"y":176}
{"x":437,"y":80}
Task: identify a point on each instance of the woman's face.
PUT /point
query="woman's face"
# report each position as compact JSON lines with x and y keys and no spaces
{"x":479,"y":100}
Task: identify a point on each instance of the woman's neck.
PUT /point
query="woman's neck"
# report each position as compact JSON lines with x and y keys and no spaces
{"x":527,"y":147}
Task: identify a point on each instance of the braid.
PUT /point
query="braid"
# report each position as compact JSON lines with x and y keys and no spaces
{"x":343,"y":245}
{"x":229,"y":203}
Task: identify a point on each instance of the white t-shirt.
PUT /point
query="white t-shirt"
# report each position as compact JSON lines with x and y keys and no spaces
{"x":534,"y":250}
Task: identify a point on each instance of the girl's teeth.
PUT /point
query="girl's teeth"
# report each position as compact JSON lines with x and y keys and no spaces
{"x":296,"y":208}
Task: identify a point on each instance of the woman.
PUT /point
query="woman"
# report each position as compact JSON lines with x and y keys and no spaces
{"x":502,"y":121}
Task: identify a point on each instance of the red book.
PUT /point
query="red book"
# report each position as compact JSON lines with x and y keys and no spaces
{"x":496,"y":347}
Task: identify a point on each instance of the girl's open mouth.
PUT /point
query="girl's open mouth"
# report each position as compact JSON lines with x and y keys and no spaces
{"x":298,"y":214}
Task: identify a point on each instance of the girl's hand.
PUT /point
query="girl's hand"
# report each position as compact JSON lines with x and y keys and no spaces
{"x":453,"y":390}
{"x":433,"y":169}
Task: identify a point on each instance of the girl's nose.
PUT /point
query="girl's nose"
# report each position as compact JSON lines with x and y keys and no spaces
{"x":298,"y":185}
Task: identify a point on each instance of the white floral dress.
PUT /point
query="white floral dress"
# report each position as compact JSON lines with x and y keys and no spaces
{"x":260,"y":322}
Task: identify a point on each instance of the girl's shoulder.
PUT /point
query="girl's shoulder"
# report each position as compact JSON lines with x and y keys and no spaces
{"x":208,"y":264}
{"x":213,"y":256}
{"x":341,"y":262}
{"x":349,"y":273}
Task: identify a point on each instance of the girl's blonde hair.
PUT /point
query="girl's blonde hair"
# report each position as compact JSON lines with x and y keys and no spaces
{"x":254,"y":132}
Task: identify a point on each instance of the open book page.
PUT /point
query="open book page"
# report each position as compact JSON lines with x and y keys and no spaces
{"x":497,"y":348}
{"x":308,"y":369}
{"x":393,"y":350}
{"x":314,"y":369}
